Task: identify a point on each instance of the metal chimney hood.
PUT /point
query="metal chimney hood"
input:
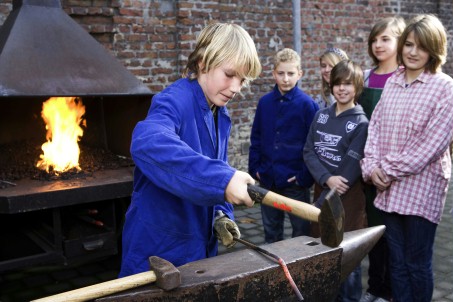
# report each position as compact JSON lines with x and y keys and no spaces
{"x":43,"y":52}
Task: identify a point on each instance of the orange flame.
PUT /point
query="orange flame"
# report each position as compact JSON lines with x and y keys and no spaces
{"x":63,"y":116}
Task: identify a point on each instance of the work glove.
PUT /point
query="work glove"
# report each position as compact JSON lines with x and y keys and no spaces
{"x":225,"y":229}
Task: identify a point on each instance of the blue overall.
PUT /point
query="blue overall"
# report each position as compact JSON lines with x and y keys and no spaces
{"x":179,"y":180}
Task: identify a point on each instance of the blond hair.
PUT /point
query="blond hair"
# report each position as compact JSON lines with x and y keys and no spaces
{"x":224,"y":42}
{"x":332,"y":56}
{"x":430,"y":35}
{"x":287,"y":55}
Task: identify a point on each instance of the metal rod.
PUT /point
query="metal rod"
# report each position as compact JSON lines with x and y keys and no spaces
{"x":7,"y":183}
{"x":278,"y":260}
{"x":91,"y":220}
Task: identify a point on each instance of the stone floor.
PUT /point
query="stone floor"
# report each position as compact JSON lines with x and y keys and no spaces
{"x":37,"y":282}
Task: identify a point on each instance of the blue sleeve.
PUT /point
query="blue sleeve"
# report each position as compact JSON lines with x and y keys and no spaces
{"x":304,"y":177}
{"x":226,"y":208}
{"x":255,"y":144}
{"x":175,"y":164}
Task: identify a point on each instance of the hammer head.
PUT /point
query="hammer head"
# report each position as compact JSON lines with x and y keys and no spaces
{"x":167,"y":275}
{"x":331,"y":220}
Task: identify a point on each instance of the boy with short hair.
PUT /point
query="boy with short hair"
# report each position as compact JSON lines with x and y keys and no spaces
{"x":333,"y":152}
{"x":278,"y":136}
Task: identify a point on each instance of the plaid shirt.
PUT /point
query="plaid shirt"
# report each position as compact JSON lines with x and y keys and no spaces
{"x":408,"y":138}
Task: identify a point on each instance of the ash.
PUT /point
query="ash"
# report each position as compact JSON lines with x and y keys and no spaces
{"x":18,"y":161}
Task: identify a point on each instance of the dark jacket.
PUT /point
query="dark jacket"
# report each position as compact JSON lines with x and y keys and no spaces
{"x":278,"y":137}
{"x":335,"y":144}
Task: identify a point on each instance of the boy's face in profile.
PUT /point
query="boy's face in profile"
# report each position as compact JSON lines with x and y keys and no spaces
{"x":220,"y":84}
{"x":286,"y":75}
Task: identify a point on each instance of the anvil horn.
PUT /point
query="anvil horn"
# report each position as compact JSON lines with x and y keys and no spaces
{"x":356,"y":245}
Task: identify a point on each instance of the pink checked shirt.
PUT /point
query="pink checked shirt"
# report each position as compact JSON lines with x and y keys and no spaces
{"x":408,"y":138}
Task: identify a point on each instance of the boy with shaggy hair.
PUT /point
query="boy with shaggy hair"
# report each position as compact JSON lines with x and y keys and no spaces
{"x":333,"y":152}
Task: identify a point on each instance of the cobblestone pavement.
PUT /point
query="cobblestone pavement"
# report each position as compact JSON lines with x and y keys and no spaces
{"x":37,"y":282}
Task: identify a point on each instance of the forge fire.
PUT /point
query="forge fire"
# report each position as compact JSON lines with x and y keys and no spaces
{"x":63,"y":117}
{"x":59,"y":145}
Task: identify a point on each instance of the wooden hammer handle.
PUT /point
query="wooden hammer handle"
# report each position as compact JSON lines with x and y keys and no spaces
{"x":295,"y":207}
{"x":102,"y":289}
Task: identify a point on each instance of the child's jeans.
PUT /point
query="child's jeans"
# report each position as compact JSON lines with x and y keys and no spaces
{"x":273,"y":219}
{"x":351,"y":288}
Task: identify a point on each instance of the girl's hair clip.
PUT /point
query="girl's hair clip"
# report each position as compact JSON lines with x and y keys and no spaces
{"x":336,"y":51}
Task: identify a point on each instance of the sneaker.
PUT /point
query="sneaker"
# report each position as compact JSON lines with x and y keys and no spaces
{"x":368,"y":298}
{"x":381,"y":300}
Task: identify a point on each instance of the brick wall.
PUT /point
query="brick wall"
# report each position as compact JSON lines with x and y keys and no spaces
{"x":153,"y":38}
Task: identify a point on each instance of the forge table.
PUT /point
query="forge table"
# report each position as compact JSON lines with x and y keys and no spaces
{"x":48,"y":222}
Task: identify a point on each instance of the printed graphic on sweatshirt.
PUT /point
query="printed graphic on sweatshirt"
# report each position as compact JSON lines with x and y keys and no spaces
{"x":322,"y":118}
{"x":350,"y":126}
{"x":326,"y":148}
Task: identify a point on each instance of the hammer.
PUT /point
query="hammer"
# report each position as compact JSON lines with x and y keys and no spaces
{"x":165,"y":274}
{"x":330,"y":217}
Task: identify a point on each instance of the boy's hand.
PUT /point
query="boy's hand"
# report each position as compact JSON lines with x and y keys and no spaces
{"x":236,"y":190}
{"x":338,"y":183}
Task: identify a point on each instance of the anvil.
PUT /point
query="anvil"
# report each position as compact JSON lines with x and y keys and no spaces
{"x":247,"y":275}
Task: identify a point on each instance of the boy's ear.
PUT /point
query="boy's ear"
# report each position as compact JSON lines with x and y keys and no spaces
{"x":274,"y":74}
{"x":301,"y":73}
{"x":201,"y":67}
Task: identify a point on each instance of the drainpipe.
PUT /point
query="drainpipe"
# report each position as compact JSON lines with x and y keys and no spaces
{"x":296,"y":29}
